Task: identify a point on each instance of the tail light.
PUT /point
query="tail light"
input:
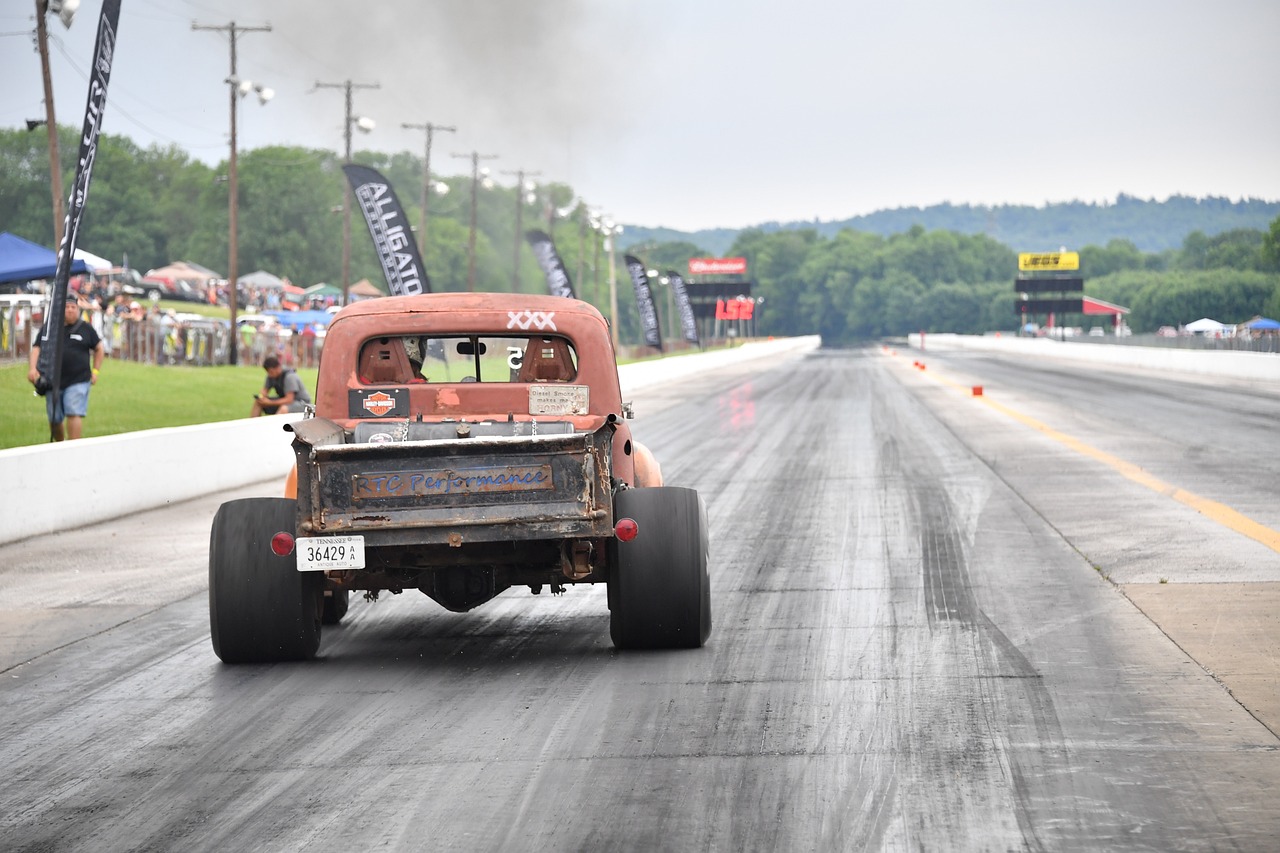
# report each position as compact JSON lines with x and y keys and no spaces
{"x":282,"y":544}
{"x":626,"y":529}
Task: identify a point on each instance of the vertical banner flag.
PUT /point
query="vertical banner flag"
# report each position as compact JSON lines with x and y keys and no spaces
{"x":688,"y":325}
{"x":389,"y":227}
{"x":104,"y":49}
{"x":644,"y":302}
{"x":558,"y":283}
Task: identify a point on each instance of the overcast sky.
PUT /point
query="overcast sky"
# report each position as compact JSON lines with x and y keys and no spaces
{"x":716,"y":113}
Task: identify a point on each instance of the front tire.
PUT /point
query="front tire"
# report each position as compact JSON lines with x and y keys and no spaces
{"x":659,"y":586}
{"x":261,"y":608}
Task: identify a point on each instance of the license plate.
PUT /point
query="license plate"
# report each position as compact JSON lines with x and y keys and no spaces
{"x":318,"y":553}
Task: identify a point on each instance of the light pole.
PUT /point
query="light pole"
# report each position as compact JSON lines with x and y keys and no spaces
{"x":66,"y":10}
{"x":426,"y":173}
{"x":595,"y":260}
{"x":238,"y":90}
{"x":521,"y":189}
{"x":611,"y":231}
{"x":364,"y":124}
{"x":475,"y":157}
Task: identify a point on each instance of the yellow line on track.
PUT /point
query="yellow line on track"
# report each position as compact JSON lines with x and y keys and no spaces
{"x":1211,"y":509}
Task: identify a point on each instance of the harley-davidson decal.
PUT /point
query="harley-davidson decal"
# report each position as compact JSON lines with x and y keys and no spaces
{"x":389,"y":403}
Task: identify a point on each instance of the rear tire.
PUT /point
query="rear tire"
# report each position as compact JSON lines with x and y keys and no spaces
{"x":659,"y":587}
{"x":261,"y":608}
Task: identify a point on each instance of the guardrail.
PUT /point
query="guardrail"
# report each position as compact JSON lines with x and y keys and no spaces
{"x":1236,"y":365}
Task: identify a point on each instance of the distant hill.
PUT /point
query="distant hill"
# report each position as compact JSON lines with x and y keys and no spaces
{"x":1153,"y":226}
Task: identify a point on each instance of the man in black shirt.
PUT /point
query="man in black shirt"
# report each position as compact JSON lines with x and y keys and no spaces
{"x":82,"y":353}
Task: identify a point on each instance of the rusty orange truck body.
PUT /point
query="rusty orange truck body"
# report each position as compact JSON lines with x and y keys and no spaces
{"x":462,"y":445}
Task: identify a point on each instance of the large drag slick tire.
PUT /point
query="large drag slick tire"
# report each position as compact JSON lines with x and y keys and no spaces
{"x":659,"y":587}
{"x":261,"y":608}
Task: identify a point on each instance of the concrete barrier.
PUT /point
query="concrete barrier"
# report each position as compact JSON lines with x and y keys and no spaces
{"x":1228,"y":364}
{"x":49,"y":487}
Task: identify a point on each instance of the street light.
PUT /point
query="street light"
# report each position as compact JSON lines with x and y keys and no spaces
{"x":238,"y":88}
{"x":65,"y":10}
{"x":426,"y":173}
{"x":524,"y":189}
{"x":364,"y":124}
{"x":476,"y":172}
{"x":611,"y":230}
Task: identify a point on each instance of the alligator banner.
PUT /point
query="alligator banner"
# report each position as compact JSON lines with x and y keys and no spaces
{"x":104,"y":49}
{"x":688,"y":325}
{"x":558,"y":283}
{"x":644,"y":302}
{"x":389,"y":227}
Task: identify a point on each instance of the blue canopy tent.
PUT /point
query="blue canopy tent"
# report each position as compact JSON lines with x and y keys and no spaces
{"x":296,"y":320}
{"x":1263,"y":324}
{"x":21,"y":260}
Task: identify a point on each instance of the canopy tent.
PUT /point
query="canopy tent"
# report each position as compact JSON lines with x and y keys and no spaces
{"x":322,"y":290}
{"x":22,"y":260}
{"x":292,"y":293}
{"x":296,"y":320}
{"x":92,"y":261}
{"x":1206,"y":326}
{"x":1262,"y":324}
{"x":181,"y":270}
{"x":1094,"y":305}
{"x":364,"y":289}
{"x":262,"y":280}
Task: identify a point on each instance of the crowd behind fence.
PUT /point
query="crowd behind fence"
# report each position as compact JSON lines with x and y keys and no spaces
{"x":164,"y":338}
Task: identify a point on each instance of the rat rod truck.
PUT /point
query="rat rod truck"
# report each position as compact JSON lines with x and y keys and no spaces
{"x":461,"y":444}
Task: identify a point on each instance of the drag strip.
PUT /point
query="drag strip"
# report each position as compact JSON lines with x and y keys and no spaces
{"x":925,"y":636}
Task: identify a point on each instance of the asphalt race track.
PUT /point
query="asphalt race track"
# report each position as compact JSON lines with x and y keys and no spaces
{"x":942,"y":622}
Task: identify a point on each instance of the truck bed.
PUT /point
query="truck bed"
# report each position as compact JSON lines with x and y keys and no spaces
{"x":455,"y":491}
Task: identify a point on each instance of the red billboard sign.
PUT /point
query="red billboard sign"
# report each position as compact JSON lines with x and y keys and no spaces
{"x":717,"y":266}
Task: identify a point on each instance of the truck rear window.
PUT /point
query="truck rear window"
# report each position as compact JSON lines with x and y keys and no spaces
{"x":408,"y":359}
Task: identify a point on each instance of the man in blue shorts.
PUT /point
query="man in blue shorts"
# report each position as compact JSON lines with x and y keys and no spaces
{"x":82,"y":352}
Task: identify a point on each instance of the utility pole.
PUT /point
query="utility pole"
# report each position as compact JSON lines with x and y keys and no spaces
{"x":347,"y":86}
{"x":233,"y":249}
{"x":51,"y":125}
{"x":612,"y":231}
{"x":582,"y":251}
{"x":475,"y":158}
{"x":426,"y":175}
{"x":520,"y":174}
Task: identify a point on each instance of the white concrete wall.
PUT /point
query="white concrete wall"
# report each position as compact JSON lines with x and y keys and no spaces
{"x":51,"y":487}
{"x":1234,"y":365}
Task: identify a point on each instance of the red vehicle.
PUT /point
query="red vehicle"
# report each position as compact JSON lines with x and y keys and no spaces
{"x":461,"y":445}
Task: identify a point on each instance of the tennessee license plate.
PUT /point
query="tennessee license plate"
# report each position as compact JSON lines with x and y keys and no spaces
{"x":319,"y":553}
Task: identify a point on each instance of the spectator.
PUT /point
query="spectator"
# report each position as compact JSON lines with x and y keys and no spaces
{"x":70,"y":402}
{"x":290,"y":394}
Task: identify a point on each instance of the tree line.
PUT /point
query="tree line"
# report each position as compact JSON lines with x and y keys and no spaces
{"x":155,"y":205}
{"x":857,"y":285}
